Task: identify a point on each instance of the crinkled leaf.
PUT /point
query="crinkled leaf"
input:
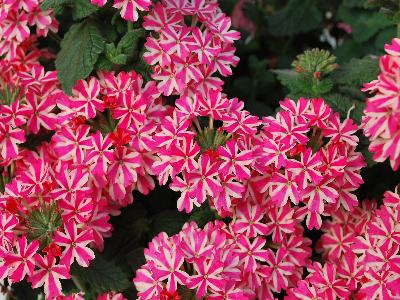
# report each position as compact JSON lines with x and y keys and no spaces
{"x":297,"y":16}
{"x":101,"y":275}
{"x":129,"y":42}
{"x":56,"y":5}
{"x":80,"y":49}
{"x":104,"y":64}
{"x":82,"y":8}
{"x":357,"y":71}
{"x":114,"y":55}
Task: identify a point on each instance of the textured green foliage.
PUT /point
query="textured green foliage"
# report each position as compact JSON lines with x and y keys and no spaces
{"x":211,"y":138}
{"x":346,"y":106}
{"x":56,"y":5}
{"x":364,"y":23}
{"x":103,"y":63}
{"x":114,"y":56}
{"x":126,"y":48}
{"x":340,"y":89}
{"x":43,"y":222}
{"x":80,"y":49}
{"x":297,"y":16}
{"x":80,"y":8}
{"x":315,"y":60}
{"x":389,"y":7}
{"x":101,"y":276}
{"x":303,"y":86}
{"x":357,"y":71}
{"x":129,"y":42}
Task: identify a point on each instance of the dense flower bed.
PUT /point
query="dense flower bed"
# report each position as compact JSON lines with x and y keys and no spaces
{"x":71,"y":160}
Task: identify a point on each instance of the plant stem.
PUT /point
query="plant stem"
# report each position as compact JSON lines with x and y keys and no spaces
{"x":77,"y":283}
{"x":55,"y":37}
{"x":398,"y":24}
{"x":398,"y":30}
{"x":197,"y":124}
{"x":130,"y":26}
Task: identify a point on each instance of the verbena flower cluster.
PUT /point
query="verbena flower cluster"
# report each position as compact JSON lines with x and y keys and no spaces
{"x":381,"y":115}
{"x":191,"y":42}
{"x":70,"y":162}
{"x":234,"y":261}
{"x":361,"y":253}
{"x":299,"y":165}
{"x":18,"y":19}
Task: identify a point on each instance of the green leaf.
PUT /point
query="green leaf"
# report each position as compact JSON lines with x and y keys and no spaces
{"x":136,"y":258}
{"x":391,"y":5}
{"x":114,"y":55}
{"x":353,"y":3}
{"x":303,"y":86}
{"x":80,"y":49}
{"x":82,"y":8}
{"x":368,"y":157}
{"x":348,"y":50}
{"x":322,"y":87}
{"x":101,"y":276}
{"x":363,"y":148}
{"x":357,"y":71}
{"x":297,"y":16}
{"x":365,"y":24}
{"x":289,"y":79}
{"x":143,"y":68}
{"x":56,"y":5}
{"x":129,"y":42}
{"x":342,"y":104}
{"x":385,"y":37}
{"x":104,"y":64}
{"x":169,"y":221}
